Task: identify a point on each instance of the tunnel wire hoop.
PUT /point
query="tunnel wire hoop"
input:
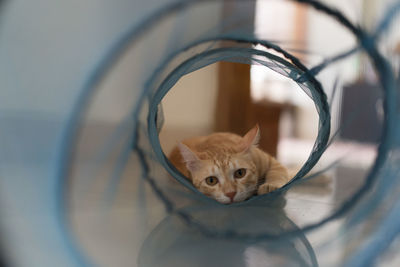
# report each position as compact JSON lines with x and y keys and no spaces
{"x":71,"y":132}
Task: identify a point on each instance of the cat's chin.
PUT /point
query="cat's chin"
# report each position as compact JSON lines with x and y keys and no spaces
{"x":240,"y":197}
{"x":224,"y":201}
{"x":228,"y":202}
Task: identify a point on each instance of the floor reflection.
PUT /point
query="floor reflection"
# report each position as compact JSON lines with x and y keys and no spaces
{"x":175,"y":243}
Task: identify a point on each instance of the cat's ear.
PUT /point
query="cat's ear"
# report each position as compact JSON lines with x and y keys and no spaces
{"x":191,"y":160}
{"x":251,"y":138}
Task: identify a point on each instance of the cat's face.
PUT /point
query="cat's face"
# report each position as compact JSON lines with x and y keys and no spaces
{"x":231,"y":180}
{"x":225,"y":170}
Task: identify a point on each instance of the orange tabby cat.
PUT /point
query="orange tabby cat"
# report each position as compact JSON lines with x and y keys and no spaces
{"x":228,"y":167}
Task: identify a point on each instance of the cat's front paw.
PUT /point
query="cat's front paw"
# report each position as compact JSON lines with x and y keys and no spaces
{"x":268,"y":187}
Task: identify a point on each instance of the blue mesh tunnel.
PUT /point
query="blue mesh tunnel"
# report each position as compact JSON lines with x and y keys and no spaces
{"x":73,"y":193}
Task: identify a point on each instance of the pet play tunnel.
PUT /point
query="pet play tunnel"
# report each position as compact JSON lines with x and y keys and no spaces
{"x":74,"y":193}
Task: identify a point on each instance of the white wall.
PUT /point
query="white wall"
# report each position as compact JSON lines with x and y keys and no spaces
{"x":191,"y":102}
{"x":189,"y":107}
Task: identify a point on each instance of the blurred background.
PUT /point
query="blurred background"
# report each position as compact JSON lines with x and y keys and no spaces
{"x":233,"y":97}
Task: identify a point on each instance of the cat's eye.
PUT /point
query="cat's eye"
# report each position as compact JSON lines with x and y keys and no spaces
{"x":239,"y":173}
{"x":211,"y":180}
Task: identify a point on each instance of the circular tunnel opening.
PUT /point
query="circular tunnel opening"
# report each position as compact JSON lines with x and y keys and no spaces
{"x":243,"y":55}
{"x":143,"y":122}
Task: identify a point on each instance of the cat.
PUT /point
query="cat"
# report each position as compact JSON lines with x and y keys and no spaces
{"x":227,"y":167}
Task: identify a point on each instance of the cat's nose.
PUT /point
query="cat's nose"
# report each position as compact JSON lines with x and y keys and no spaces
{"x":231,"y":195}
